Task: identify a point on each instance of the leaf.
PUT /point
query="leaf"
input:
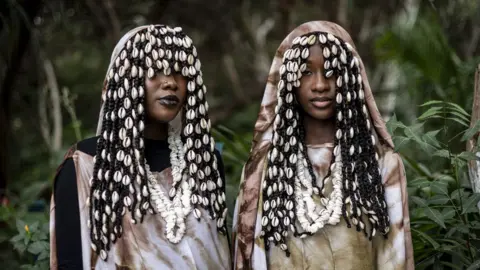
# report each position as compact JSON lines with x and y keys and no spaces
{"x":430,"y":112}
{"x":448,"y":213}
{"x":44,"y":255}
{"x":474,"y":265}
{"x":414,"y":131}
{"x":429,"y":138}
{"x":421,"y":182}
{"x":466,"y":155}
{"x":428,"y":238}
{"x":471,"y":131}
{"x":400,"y":141}
{"x":21,"y":226}
{"x":393,"y":124}
{"x":462,"y":228}
{"x":438,"y":199}
{"x":439,"y":187}
{"x":431,"y":102}
{"x":36,"y":248}
{"x":419,"y":201}
{"x":451,"y":265}
{"x":456,"y":194}
{"x":17,"y":238}
{"x":435,"y":215}
{"x":460,"y":116}
{"x":442,"y":153}
{"x":470,"y":204}
{"x":459,"y":109}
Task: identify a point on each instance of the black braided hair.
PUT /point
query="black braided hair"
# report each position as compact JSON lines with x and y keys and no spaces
{"x":362,"y":189}
{"x":119,"y":181}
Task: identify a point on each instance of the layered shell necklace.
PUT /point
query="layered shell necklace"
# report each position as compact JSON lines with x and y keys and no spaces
{"x":175,"y":211}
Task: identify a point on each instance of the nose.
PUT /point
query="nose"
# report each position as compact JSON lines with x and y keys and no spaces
{"x":320,"y":83}
{"x":168,"y":82}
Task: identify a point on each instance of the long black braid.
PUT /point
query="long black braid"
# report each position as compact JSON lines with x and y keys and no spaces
{"x":119,"y":181}
{"x":362,"y":189}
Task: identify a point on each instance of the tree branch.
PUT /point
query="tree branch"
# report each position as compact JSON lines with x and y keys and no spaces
{"x":114,"y":22}
{"x":56,"y":112}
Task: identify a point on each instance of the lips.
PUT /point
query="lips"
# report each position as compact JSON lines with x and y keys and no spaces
{"x":170,"y":100}
{"x":321,"y":102}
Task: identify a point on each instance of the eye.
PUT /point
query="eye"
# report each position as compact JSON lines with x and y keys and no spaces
{"x":307,"y":72}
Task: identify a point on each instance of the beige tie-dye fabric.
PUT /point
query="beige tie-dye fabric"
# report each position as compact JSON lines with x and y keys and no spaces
{"x":333,"y":247}
{"x":144,"y":245}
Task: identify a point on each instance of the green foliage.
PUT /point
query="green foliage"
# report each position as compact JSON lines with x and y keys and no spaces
{"x":444,"y":216}
{"x":28,"y":234}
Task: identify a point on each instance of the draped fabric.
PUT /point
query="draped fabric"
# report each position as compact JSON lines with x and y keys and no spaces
{"x":333,"y":247}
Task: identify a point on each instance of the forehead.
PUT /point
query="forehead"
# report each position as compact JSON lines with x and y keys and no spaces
{"x":316,"y":55}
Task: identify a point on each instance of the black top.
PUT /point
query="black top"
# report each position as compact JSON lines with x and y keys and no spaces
{"x":67,"y":215}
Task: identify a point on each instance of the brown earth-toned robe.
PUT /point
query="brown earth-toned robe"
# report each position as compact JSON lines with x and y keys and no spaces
{"x":144,"y":245}
{"x":334,"y":246}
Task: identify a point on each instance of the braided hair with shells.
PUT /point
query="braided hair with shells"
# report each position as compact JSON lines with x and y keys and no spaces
{"x":121,"y":178}
{"x":290,"y":183}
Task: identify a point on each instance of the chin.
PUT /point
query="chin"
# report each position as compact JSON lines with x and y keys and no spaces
{"x":323,"y":115}
{"x":163,"y":117}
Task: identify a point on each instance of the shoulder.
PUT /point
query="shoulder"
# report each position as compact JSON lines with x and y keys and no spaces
{"x":392,"y":169}
{"x":88,"y":146}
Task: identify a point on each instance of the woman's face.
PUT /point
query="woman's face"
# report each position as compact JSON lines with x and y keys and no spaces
{"x":165,"y":96}
{"x":316,"y":94}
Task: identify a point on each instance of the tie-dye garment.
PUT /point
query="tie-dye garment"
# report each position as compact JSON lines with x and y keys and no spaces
{"x":333,"y":247}
{"x":144,"y":245}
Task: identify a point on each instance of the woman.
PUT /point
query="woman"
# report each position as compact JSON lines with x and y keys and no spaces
{"x":150,"y":187}
{"x":322,"y":188}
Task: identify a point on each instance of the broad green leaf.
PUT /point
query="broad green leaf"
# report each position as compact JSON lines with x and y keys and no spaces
{"x":414,"y":132}
{"x":471,"y":131}
{"x":448,"y":213}
{"x":468,"y":156}
{"x":439,"y":187}
{"x":434,"y":243}
{"x":419,"y":182}
{"x":17,"y":238}
{"x":36,"y":247}
{"x":393,"y":124}
{"x":470,"y":203}
{"x":21,"y":226}
{"x":43,"y":255}
{"x":435,"y":215}
{"x":438,"y":199}
{"x":400,"y":141}
{"x":456,"y":194}
{"x":462,"y":228}
{"x":429,"y":138}
{"x":442,"y":153}
{"x":419,"y":201}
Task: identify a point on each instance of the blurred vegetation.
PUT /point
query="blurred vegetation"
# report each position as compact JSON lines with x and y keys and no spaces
{"x":419,"y":55}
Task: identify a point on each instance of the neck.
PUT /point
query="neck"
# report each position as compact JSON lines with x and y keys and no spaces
{"x":155,"y":130}
{"x":318,"y":131}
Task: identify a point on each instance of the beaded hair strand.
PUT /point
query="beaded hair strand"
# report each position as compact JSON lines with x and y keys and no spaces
{"x":121,"y":178}
{"x":290,"y":181}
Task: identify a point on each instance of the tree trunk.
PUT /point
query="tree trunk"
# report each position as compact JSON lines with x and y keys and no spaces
{"x":474,"y":165}
{"x":20,"y":24}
